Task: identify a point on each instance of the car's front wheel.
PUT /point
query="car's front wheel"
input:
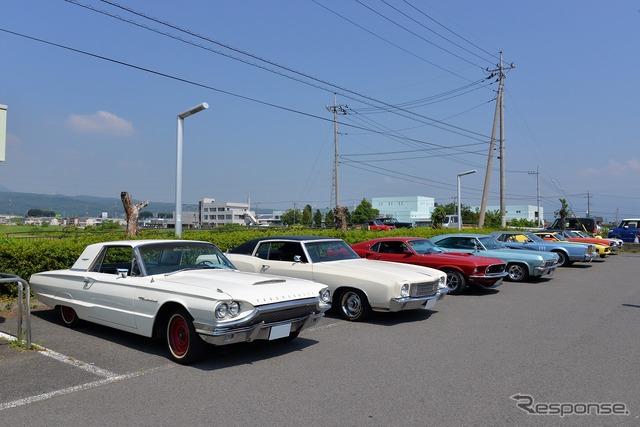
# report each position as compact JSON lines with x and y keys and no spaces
{"x":563,"y":259}
{"x":69,"y":317}
{"x":517,"y":272}
{"x":185,"y":345}
{"x":455,"y":281}
{"x":353,"y":305}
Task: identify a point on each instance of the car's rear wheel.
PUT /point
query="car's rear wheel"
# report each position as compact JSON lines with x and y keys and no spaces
{"x":455,"y":281}
{"x":517,"y":272}
{"x":354,"y":305}
{"x":185,"y":345}
{"x":69,"y":317}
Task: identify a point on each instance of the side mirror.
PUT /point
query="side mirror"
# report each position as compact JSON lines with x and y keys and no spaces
{"x":297,"y":258}
{"x":122,"y":272}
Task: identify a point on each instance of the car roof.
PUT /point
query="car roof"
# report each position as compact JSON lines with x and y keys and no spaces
{"x":248,"y":246}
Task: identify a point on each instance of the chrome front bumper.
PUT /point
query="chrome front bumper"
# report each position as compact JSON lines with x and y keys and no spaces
{"x":412,"y":303}
{"x":269,"y":322}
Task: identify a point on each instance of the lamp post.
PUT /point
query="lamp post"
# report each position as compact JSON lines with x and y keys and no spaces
{"x":181,"y":117}
{"x":459,"y":204}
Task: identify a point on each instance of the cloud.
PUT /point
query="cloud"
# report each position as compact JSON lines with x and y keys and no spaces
{"x":101,"y":122}
{"x":615,"y":168}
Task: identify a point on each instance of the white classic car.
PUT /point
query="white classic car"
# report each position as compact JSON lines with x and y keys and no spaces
{"x":185,"y":291}
{"x":358,"y":285}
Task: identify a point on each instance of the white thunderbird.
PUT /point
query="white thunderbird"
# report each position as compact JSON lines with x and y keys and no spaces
{"x":187,"y":292}
{"x":358,"y":285}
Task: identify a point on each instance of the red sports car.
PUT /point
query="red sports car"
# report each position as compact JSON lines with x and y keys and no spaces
{"x":462,"y":269}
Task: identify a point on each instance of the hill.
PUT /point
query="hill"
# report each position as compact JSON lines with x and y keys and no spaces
{"x":14,"y":203}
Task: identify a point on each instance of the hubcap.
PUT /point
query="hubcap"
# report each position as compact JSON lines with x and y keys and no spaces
{"x":178,"y":335}
{"x":351,"y":304}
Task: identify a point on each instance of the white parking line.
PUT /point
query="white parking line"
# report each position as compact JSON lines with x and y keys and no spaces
{"x":109,"y":377}
{"x":86,"y":386}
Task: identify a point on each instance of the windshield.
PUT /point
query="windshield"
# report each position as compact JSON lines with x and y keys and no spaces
{"x":424,"y":246}
{"x":534,"y":238}
{"x":170,"y":257}
{"x":490,"y":242}
{"x":330,"y":250}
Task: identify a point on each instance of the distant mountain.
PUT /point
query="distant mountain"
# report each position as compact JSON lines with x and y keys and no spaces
{"x":70,"y":206}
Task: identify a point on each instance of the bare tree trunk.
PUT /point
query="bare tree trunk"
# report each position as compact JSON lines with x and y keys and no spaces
{"x":132,"y":211}
{"x":340,"y":218}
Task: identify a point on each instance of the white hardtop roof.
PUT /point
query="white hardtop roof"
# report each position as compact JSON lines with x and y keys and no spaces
{"x":91,"y":252}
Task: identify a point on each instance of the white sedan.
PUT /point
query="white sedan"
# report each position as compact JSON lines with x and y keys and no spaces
{"x":185,"y":291}
{"x":358,"y":285}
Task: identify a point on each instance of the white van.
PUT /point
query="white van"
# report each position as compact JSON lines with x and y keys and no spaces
{"x":450,"y":221}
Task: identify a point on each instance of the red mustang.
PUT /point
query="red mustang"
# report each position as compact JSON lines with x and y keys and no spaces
{"x":462,"y":269}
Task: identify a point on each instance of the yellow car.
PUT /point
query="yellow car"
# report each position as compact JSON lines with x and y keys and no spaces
{"x":601,"y":249}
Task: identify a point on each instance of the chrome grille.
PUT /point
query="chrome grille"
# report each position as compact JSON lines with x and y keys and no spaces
{"x":283,"y":315}
{"x":424,"y":289}
{"x":549,"y":264}
{"x":496,"y":269}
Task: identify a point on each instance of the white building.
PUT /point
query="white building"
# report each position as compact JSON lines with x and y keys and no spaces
{"x":214,"y":214}
{"x":528,"y":212}
{"x":415,"y":209}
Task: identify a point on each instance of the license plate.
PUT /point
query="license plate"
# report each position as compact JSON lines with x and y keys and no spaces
{"x":430,"y":304}
{"x":280,"y":331}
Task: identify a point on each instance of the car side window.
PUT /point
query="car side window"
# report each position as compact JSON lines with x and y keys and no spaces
{"x":114,"y":258}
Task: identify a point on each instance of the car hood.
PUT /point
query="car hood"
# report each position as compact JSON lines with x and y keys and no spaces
{"x":521,"y":254}
{"x":252,"y":287}
{"x":364,"y":268}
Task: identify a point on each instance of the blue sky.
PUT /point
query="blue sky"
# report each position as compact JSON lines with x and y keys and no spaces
{"x":92,"y":100}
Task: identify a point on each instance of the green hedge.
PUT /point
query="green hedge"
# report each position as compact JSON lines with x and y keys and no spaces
{"x":23,"y":257}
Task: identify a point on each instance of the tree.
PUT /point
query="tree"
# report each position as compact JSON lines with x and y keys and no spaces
{"x":563,"y":212}
{"x":292,"y":216}
{"x":317,"y":218}
{"x":364,"y":212}
{"x":437,"y":217}
{"x":493,"y":219}
{"x":132,"y":211}
{"x":328,"y":219}
{"x":307,"y":216}
{"x":39,"y":213}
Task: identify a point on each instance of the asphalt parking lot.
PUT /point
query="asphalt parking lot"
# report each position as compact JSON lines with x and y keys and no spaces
{"x":568,"y":347}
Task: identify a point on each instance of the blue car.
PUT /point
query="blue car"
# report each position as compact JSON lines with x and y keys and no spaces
{"x":521,"y":265}
{"x":627,"y":230}
{"x":568,"y":253}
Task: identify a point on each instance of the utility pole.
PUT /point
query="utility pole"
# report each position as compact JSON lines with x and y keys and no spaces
{"x":537,"y":174}
{"x":342,"y":110}
{"x":500,"y":73}
{"x":588,"y":204}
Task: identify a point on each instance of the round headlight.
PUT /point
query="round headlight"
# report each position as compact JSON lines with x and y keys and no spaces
{"x":442,"y":281}
{"x":325,"y":295}
{"x":234,"y":308}
{"x":221,"y":310}
{"x":404,"y":290}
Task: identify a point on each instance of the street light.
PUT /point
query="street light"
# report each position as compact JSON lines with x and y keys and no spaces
{"x":459,"y":210}
{"x":181,"y":118}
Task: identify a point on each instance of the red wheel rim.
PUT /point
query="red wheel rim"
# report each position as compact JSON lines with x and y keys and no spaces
{"x":68,"y":314}
{"x":178,"y":334}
